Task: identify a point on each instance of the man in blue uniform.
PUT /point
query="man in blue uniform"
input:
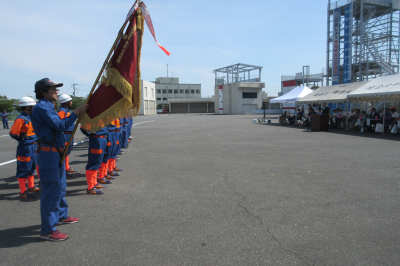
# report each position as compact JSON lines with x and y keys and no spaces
{"x":125,"y":132}
{"x":22,"y":131}
{"x":66,"y":102}
{"x":4,"y":119}
{"x":115,"y":150}
{"x":130,"y":124}
{"x":49,"y":129}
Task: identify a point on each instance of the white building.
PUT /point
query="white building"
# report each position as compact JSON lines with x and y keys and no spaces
{"x":170,"y":88}
{"x":148,"y":98}
{"x":239,"y":98}
{"x":238,"y":89}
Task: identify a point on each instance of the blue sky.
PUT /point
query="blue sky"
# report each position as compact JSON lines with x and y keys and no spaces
{"x":68,"y":41}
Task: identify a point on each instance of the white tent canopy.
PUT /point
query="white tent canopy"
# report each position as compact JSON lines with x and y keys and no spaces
{"x":292,"y":96}
{"x":378,"y":89}
{"x":332,"y":94}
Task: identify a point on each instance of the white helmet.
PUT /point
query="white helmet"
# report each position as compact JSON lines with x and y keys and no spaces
{"x":26,"y":101}
{"x":64,"y":98}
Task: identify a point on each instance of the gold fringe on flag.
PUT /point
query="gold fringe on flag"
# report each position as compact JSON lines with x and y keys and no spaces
{"x":130,"y":103}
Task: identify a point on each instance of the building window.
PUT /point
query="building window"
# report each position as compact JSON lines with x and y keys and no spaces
{"x":158,"y":99}
{"x":191,"y":91}
{"x":249,"y":95}
{"x":164,"y":91}
{"x":164,"y":99}
{"x":158,"y":91}
{"x":186,"y":91}
{"x":180,"y":91}
{"x":152,"y":93}
{"x":170,"y":91}
{"x":198,"y":91}
{"x":145,"y":90}
{"x":175,"y":90}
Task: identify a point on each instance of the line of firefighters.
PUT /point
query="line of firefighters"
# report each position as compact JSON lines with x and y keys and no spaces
{"x":104,"y":146}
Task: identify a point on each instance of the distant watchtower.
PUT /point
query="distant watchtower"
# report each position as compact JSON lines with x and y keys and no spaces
{"x":363,"y":40}
{"x":239,"y":89}
{"x":237,"y":73}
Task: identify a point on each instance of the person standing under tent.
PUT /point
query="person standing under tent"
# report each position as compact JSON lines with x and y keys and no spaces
{"x":387,"y":118}
{"x":23,"y":132}
{"x":49,"y":129}
{"x":64,"y":111}
{"x":325,"y":109}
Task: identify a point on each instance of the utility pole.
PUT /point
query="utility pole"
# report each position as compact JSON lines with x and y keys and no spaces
{"x":73,"y":85}
{"x":167,"y":70}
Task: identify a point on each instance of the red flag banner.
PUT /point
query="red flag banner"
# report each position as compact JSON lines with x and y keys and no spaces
{"x":120,"y":89}
{"x":147,"y":18}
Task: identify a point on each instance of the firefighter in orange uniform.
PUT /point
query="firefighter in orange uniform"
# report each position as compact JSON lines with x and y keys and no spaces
{"x":22,"y":131}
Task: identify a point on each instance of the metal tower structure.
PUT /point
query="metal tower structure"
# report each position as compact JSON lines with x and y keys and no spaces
{"x":237,"y":73}
{"x":363,"y":40}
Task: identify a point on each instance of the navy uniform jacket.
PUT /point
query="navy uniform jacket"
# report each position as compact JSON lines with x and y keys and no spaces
{"x":45,"y":121}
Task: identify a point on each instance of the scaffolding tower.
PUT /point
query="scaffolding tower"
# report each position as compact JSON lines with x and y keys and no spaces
{"x":363,"y":40}
{"x":237,"y":73}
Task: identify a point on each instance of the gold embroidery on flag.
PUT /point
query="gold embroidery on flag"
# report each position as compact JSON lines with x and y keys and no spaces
{"x":129,"y":104}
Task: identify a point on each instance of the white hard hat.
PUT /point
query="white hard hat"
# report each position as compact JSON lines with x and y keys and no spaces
{"x":63,"y":98}
{"x":26,"y":101}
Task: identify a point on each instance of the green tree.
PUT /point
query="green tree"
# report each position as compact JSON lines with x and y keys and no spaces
{"x":7,"y":105}
{"x":77,"y":102}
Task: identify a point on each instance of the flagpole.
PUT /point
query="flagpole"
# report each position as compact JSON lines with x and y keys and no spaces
{"x":94,"y":86}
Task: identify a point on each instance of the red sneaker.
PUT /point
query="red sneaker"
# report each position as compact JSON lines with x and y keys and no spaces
{"x":54,"y":236}
{"x":69,"y":220}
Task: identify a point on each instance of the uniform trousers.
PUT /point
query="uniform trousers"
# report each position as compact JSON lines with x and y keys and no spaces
{"x":26,"y":160}
{"x":97,"y":148}
{"x":108,"y":151}
{"x":5,"y":123}
{"x":67,"y":137}
{"x":53,"y":205}
{"x":117,"y":145}
{"x":124,"y":136}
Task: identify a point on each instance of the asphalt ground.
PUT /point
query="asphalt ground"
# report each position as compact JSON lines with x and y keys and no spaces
{"x":220,"y":190}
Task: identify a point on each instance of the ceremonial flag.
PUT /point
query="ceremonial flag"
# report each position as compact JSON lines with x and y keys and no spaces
{"x":119,"y":92}
{"x":120,"y":89}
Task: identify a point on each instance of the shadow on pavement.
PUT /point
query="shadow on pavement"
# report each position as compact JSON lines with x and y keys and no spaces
{"x":11,"y":183}
{"x":21,"y":236}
